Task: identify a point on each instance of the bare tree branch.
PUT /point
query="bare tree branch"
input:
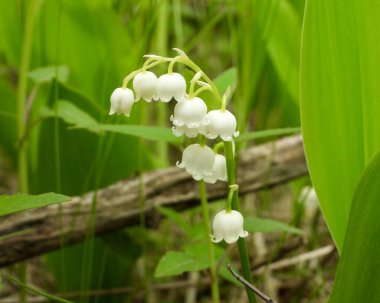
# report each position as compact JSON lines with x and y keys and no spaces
{"x":40,"y":230}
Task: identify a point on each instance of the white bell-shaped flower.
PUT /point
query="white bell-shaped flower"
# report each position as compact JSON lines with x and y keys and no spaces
{"x":172,"y":85}
{"x":198,"y":160}
{"x":219,"y":170}
{"x":228,"y":226}
{"x":122,"y":100}
{"x":189,"y":117}
{"x":221,"y":123}
{"x":179,"y":131}
{"x":145,"y":85}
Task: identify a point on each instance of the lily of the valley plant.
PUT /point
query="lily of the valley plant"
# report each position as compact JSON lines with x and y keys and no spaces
{"x":192,"y":118}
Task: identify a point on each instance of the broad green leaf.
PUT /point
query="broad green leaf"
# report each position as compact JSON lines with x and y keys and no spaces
{"x":194,"y":258}
{"x":175,"y":263}
{"x":340,"y":95}
{"x":18,"y":202}
{"x":267,"y":133}
{"x":359,"y":267}
{"x":267,"y":225}
{"x":48,"y":73}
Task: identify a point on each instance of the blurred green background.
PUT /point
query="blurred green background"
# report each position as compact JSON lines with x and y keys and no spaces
{"x":81,"y":51}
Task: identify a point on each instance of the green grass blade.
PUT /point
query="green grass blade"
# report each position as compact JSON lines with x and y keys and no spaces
{"x":267,"y":133}
{"x":339,"y":100}
{"x":267,"y":225}
{"x":36,"y":290}
{"x":146,"y":132}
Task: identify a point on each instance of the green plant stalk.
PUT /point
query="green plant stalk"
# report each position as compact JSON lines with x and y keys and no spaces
{"x":161,"y":47}
{"x":244,"y":259}
{"x":22,"y":87}
{"x":211,"y":253}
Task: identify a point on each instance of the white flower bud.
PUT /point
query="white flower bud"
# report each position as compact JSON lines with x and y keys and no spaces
{"x":228,"y":226}
{"x":121,"y":101}
{"x":189,"y":117}
{"x":219,"y":170}
{"x":309,"y":197}
{"x":198,"y":160}
{"x":170,"y":86}
{"x":221,"y":123}
{"x":145,"y":85}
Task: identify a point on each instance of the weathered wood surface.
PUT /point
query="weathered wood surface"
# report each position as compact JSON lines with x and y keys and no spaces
{"x":118,"y":205}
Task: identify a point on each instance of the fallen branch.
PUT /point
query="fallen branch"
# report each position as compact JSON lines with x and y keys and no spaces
{"x":314,"y":254}
{"x":41,"y":230}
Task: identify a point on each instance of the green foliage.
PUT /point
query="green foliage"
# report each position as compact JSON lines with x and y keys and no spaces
{"x":77,"y":61}
{"x":267,"y":225}
{"x":18,"y":202}
{"x":70,"y":113}
{"x":174,"y":263}
{"x":267,"y":133}
{"x":359,"y":266}
{"x":79,"y":119}
{"x":141,"y":131}
{"x":339,"y":101}
{"x":193,"y":258}
{"x":48,"y":73}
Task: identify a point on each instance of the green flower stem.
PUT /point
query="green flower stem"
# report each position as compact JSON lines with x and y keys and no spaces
{"x":211,"y":253}
{"x":201,"y":140}
{"x":196,"y":68}
{"x":192,"y":84}
{"x":233,"y":189}
{"x":242,"y":246}
{"x":218,"y":146}
{"x":202,"y":89}
{"x":130,"y":76}
{"x":171,"y":64}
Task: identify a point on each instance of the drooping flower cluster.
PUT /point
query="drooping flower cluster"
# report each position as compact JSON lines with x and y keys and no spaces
{"x":192,"y":119}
